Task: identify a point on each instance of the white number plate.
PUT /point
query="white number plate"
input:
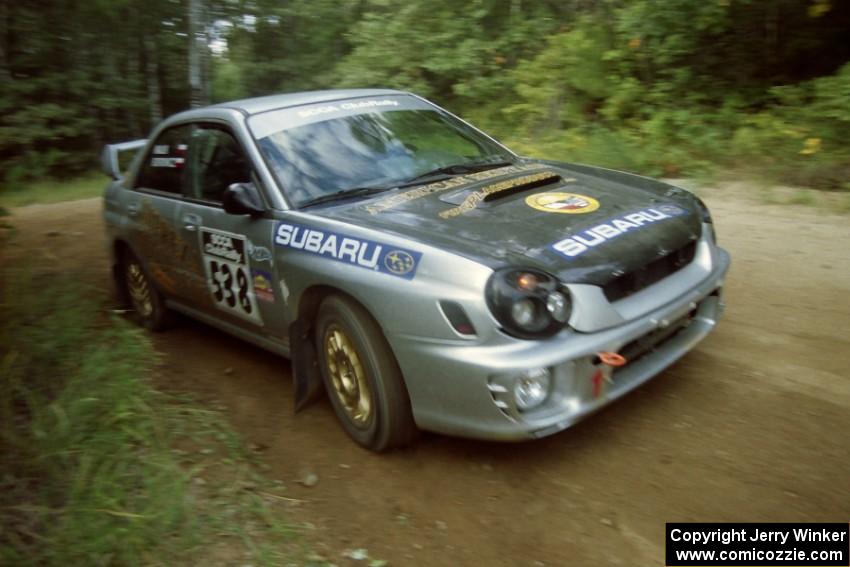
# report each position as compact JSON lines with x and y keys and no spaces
{"x":228,"y":274}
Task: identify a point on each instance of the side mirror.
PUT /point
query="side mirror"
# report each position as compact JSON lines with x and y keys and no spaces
{"x":243,"y":199}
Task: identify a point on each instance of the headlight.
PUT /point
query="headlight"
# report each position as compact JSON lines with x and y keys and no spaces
{"x":532,"y":388}
{"x":523,"y":312}
{"x":558,"y":306}
{"x":528,"y":303}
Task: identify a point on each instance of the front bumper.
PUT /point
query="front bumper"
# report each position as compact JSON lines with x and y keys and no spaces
{"x":452,"y":390}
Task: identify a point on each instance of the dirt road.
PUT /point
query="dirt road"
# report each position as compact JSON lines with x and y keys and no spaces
{"x":754,"y":425}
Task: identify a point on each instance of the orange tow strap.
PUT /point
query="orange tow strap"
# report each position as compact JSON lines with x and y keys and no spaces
{"x":609,"y":360}
{"x":612,"y":358}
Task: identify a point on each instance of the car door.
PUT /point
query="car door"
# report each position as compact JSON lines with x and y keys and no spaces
{"x":235,"y":251}
{"x":151,"y":208}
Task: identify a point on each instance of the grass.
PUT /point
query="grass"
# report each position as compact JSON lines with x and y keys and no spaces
{"x":102,"y":468}
{"x":53,"y":191}
{"x":835,"y":202}
{"x":802,"y":197}
{"x":614,"y":150}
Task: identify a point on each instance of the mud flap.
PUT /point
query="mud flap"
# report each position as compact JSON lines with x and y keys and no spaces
{"x":118,"y":284}
{"x":305,"y":366}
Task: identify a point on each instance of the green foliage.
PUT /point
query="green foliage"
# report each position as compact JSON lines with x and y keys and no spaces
{"x":227,"y":81}
{"x":801,"y":138}
{"x":682,"y":85}
{"x":287,"y":47}
{"x":96,"y":467}
{"x":74,"y":76}
{"x":50,"y":190}
{"x":453,"y":52}
{"x":670,"y":89}
{"x":564,"y":85}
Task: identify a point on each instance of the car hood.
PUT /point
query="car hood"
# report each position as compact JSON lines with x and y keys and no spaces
{"x":580,"y":223}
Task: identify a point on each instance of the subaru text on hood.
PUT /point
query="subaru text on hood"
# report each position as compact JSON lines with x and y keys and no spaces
{"x":412,"y":267}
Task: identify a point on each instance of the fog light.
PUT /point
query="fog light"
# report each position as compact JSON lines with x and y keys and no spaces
{"x":532,"y":388}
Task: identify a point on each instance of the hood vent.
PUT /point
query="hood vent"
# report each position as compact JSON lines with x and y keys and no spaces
{"x":522,"y":184}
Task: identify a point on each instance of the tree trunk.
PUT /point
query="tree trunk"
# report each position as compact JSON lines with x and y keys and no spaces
{"x":128,"y":116}
{"x":771,"y":35}
{"x":5,"y":73}
{"x":196,"y":44}
{"x":152,"y":81}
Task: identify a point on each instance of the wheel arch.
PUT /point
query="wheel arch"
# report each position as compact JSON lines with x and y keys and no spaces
{"x":305,"y":370}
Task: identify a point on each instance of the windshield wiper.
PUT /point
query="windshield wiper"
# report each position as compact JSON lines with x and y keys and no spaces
{"x":455,"y":169}
{"x":345,"y":194}
{"x":446,"y":170}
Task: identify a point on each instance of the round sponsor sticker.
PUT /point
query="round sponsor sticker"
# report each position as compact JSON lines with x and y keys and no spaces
{"x":399,"y":262}
{"x":569,"y":203}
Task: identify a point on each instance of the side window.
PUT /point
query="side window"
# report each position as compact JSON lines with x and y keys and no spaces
{"x":216,"y":161}
{"x":164,"y":168}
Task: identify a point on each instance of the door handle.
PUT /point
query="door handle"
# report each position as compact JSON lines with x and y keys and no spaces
{"x":133,"y":209}
{"x":191,"y":222}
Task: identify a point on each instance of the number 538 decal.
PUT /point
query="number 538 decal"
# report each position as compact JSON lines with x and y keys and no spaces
{"x":228,"y":274}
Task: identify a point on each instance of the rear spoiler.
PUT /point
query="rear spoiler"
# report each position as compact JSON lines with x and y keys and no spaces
{"x":109,"y":156}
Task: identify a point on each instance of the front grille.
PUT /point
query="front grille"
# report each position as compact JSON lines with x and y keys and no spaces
{"x":640,"y":278}
{"x":647,"y":344}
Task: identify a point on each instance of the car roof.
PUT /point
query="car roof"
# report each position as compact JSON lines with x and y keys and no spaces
{"x":274,"y":102}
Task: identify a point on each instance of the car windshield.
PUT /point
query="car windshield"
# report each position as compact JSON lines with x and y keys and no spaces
{"x":359,"y":147}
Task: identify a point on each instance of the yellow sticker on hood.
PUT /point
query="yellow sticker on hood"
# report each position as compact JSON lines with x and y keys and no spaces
{"x":555,"y":202}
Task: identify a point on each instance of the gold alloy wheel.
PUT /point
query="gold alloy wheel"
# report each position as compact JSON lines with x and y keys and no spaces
{"x":348,"y":376}
{"x":139,"y":289}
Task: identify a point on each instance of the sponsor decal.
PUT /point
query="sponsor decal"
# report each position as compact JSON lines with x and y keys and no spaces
{"x":446,"y":184}
{"x":169,"y":162}
{"x":355,"y":105}
{"x":227,"y":274}
{"x":225,"y":246}
{"x":352,"y":250}
{"x":477,"y":197}
{"x":601,"y":233}
{"x":263,"y":288}
{"x":259,"y":253}
{"x":399,"y":262}
{"x":569,"y":203}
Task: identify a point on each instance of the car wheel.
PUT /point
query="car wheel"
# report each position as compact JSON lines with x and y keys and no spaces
{"x":146,"y":302}
{"x":362,"y":377}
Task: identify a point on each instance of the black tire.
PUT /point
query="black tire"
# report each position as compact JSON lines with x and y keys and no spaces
{"x":154,"y":316}
{"x":389,"y":424}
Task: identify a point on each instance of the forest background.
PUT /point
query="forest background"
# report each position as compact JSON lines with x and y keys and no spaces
{"x":754,"y":88}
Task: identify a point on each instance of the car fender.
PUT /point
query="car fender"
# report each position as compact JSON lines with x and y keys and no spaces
{"x":402,"y":304}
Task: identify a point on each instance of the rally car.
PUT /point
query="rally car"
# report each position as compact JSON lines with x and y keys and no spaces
{"x":415,"y":269}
